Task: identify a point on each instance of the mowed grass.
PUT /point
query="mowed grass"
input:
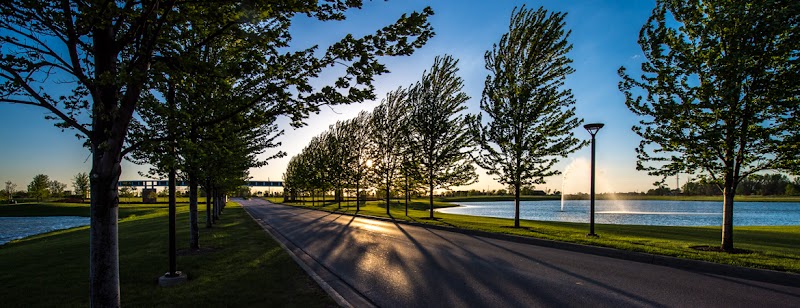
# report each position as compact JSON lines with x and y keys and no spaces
{"x":770,"y":247}
{"x":76,"y":209}
{"x":238,"y":264}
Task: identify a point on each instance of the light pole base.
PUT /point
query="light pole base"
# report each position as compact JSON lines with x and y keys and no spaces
{"x":172,"y":280}
{"x":592,"y":235}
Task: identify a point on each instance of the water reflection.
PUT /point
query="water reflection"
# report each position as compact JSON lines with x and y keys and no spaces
{"x":640,"y":212}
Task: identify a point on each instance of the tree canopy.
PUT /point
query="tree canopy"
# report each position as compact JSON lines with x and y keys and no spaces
{"x":9,"y":189}
{"x":530,"y":113}
{"x":81,"y":184}
{"x":438,"y":131}
{"x":718,"y":94}
{"x":388,"y":126}
{"x":39,"y":187}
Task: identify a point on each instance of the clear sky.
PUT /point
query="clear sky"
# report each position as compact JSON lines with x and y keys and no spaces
{"x":604,"y":35}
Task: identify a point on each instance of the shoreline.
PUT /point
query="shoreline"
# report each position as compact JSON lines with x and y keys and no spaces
{"x":623,"y":197}
{"x":47,"y":227}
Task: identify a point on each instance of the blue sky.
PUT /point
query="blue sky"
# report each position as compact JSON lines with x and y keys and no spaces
{"x":604,"y":35}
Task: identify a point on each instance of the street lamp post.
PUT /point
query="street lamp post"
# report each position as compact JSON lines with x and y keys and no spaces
{"x":592,"y":128}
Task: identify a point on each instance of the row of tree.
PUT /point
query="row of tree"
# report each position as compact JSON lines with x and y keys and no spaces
{"x":416,"y":135}
{"x":41,"y":187}
{"x":421,"y":135}
{"x":718,"y":97}
{"x":193,"y":87}
{"x":754,"y":184}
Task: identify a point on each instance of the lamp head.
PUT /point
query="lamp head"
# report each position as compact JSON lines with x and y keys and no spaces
{"x":593,"y":127}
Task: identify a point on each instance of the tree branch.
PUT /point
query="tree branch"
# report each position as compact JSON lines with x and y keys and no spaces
{"x":140,"y":143}
{"x":72,"y":42}
{"x":43,"y":102}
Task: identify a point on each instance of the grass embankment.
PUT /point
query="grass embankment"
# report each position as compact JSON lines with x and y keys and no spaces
{"x":776,"y":248}
{"x":122,"y":200}
{"x":238,"y":264}
{"x":623,"y":197}
{"x":138,"y":200}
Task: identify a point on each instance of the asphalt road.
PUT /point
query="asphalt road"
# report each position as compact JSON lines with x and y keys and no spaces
{"x":396,"y":265}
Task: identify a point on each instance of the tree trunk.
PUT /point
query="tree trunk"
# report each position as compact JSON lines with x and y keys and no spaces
{"x":388,"y":195}
{"x":213,"y":196}
{"x":358,"y":198}
{"x":194,"y":230}
{"x":430,"y":194}
{"x":172,"y":243}
{"x":215,"y":211}
{"x":208,"y":203}
{"x":111,"y":116}
{"x":516,"y":204}
{"x":407,"y":199}
{"x":103,"y":241}
{"x":340,"y":195}
{"x":218,"y":208}
{"x":729,"y":192}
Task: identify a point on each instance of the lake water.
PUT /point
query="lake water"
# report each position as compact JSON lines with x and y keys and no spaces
{"x":12,"y":228}
{"x":639,"y":212}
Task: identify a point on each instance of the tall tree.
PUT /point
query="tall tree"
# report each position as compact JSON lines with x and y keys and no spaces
{"x":56,"y":188}
{"x":438,"y":131}
{"x":407,"y":169}
{"x":721,"y":82}
{"x":10,"y":187}
{"x":388,"y":126}
{"x":292,"y":179}
{"x":531,"y":114}
{"x":360,"y":163}
{"x":39,"y":188}
{"x":81,"y":184}
{"x":318,"y":176}
{"x":198,"y":113}
{"x":339,"y":157}
{"x":106,"y":52}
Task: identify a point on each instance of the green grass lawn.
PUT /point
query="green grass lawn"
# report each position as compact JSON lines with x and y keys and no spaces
{"x":776,"y":248}
{"x":238,"y":264}
{"x":201,"y":200}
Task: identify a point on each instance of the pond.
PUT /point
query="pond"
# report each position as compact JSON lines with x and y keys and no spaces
{"x":12,"y":228}
{"x":639,"y":212}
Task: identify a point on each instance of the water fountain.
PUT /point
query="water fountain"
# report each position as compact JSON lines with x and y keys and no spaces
{"x":575,"y":180}
{"x":577,"y":169}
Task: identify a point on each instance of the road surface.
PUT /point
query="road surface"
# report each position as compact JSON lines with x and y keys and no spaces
{"x":396,"y":265}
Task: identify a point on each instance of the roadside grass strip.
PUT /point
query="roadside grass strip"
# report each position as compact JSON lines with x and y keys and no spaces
{"x":237,"y":265}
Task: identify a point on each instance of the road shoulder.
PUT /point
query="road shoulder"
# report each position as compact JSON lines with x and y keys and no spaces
{"x":341,"y":292}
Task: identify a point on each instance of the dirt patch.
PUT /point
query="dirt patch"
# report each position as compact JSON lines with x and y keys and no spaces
{"x":735,"y":251}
